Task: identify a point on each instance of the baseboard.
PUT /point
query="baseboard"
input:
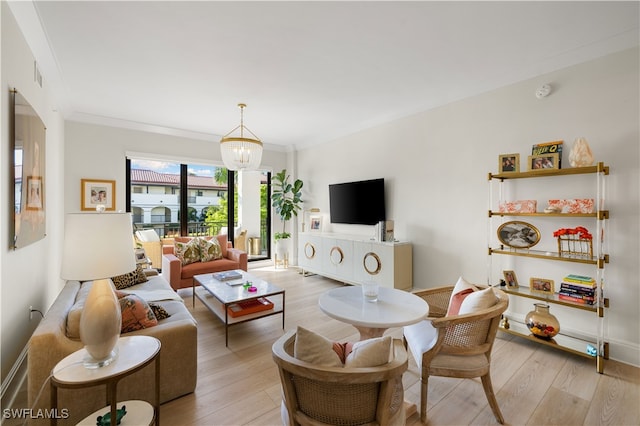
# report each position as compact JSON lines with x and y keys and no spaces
{"x":625,"y":352}
{"x":15,"y":380}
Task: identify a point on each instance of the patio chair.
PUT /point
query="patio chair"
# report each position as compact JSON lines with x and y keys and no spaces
{"x":316,"y":395}
{"x":455,"y":346}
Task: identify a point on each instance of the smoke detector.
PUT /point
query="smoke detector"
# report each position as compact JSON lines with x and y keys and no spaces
{"x":543,"y":91}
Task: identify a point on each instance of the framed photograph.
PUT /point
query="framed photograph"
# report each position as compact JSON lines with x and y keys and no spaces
{"x":95,"y":192}
{"x":546,"y":148}
{"x":510,"y":279}
{"x":315,"y":223}
{"x":34,"y":193}
{"x":141,"y":255}
{"x":541,"y":285}
{"x":544,"y":162}
{"x":518,"y":234}
{"x":508,"y":163}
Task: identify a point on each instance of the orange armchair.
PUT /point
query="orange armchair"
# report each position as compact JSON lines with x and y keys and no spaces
{"x":181,"y":276}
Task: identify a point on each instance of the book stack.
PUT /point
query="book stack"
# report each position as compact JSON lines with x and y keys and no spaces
{"x":578,"y":289}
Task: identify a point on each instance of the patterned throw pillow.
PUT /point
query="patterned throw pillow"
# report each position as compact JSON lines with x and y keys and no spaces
{"x":187,"y":252}
{"x":136,"y":314}
{"x":160,"y":312}
{"x":134,"y":277}
{"x":209,"y":249}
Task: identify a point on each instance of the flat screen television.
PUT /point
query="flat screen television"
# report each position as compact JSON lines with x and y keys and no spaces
{"x":358,"y":203}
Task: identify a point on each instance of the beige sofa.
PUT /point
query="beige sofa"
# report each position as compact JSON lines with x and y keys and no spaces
{"x":178,"y":354}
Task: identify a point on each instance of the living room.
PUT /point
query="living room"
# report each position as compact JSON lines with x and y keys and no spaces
{"x":434,"y":162}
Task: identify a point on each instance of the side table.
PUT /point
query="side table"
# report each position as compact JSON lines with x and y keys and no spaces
{"x":134,"y":353}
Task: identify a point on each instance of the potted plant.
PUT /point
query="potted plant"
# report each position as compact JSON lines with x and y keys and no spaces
{"x":286,"y":199}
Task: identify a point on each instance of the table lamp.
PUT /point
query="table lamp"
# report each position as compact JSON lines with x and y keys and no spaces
{"x":98,"y":246}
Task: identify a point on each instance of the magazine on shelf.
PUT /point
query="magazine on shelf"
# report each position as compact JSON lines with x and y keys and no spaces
{"x":227,"y":275}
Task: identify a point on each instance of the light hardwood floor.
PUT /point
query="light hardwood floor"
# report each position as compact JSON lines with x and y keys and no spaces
{"x":239,"y":385}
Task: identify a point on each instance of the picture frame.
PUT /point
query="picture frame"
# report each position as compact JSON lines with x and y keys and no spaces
{"x":35,"y":193}
{"x":517,"y":234}
{"x":510,"y":279}
{"x":141,"y":255}
{"x":96,"y":192}
{"x":509,"y":163}
{"x":315,"y":223}
{"x":542,"y":162}
{"x":541,"y":285}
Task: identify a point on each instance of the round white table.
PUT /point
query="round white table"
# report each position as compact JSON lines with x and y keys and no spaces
{"x":394,"y":308}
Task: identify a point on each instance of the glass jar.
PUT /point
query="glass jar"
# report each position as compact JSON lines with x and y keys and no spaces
{"x":541,"y":323}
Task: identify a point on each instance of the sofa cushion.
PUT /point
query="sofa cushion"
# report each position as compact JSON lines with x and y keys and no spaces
{"x":134,"y":277}
{"x":160,"y":312}
{"x":136,"y":313}
{"x":188,"y":252}
{"x":74,"y":314}
{"x":223,"y":264}
{"x":209,"y":249}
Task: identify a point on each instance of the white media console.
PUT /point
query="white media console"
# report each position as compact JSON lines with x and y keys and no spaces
{"x":355,"y":259}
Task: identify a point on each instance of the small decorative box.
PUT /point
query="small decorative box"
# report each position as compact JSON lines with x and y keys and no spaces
{"x":520,"y":206}
{"x":578,"y":205}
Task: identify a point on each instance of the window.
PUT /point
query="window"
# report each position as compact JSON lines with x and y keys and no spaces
{"x":155,"y":201}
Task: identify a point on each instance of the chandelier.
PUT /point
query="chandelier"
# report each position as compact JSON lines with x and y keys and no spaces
{"x":238,"y":151}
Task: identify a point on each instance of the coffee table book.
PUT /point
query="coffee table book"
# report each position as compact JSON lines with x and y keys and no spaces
{"x":227,"y":275}
{"x":249,"y":307}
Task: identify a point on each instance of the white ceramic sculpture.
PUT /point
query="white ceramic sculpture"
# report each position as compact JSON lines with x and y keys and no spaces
{"x":580,"y":154}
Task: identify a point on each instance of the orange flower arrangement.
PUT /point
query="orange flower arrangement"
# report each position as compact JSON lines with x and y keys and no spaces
{"x":581,"y":232}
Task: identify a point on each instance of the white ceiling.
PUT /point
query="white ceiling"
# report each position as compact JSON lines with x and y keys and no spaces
{"x":309,"y":71}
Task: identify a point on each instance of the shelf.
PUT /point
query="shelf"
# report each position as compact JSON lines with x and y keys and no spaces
{"x":547,"y":255}
{"x":526,"y":292}
{"x":574,"y":345}
{"x":138,"y":413}
{"x":600,"y":215}
{"x":217,"y":308}
{"x":599,"y":168}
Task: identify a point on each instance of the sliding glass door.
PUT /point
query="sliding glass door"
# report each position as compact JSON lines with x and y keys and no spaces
{"x":194,"y":199}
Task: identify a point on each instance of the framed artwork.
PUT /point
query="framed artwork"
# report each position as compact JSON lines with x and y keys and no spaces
{"x":508,"y":163}
{"x":544,"y":162}
{"x":34,"y":193}
{"x":546,"y":148}
{"x":315,"y":223}
{"x":96,"y":192}
{"x":510,"y":279}
{"x":141,"y":255}
{"x":518,"y":234}
{"x":28,"y":134}
{"x":541,"y":285}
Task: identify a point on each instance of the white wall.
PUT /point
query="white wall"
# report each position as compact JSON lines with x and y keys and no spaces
{"x":99,"y":152}
{"x":435,"y":166}
{"x":29,"y":276}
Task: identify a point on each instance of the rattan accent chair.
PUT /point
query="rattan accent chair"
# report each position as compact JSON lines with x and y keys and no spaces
{"x":316,"y":395}
{"x":460,"y":345}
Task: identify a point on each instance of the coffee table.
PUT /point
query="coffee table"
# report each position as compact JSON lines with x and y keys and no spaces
{"x":217,"y":296}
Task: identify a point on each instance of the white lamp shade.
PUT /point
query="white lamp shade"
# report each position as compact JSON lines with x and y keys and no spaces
{"x":97,"y":245}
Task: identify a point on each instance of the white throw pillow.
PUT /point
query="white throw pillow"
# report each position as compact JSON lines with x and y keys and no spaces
{"x":147,"y":236}
{"x":315,"y":349}
{"x":369,"y":353}
{"x":460,"y":292}
{"x":477,"y":301}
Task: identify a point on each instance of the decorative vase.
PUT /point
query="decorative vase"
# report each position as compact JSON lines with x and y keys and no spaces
{"x":541,"y":323}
